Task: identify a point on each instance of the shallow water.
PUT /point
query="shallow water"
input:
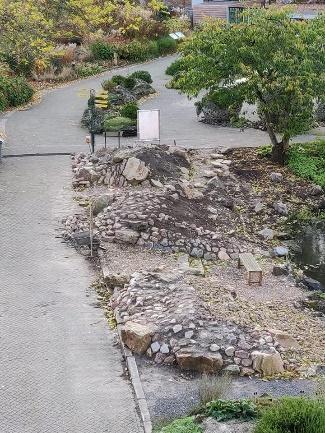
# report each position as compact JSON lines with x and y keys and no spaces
{"x":310,"y":251}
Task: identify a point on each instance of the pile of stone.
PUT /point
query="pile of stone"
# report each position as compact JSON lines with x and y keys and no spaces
{"x":130,"y":166}
{"x":162,"y":317}
{"x":155,"y":219}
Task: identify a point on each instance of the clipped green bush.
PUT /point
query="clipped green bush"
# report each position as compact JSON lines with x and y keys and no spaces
{"x":183,"y":425}
{"x":166,"y":45}
{"x":307,"y":160}
{"x":14,"y":91}
{"x":118,"y":80}
{"x":119,"y":123}
{"x":129,"y":82}
{"x":142,"y":75}
{"x":130,"y":110}
{"x":102,"y":50}
{"x":293,"y":415}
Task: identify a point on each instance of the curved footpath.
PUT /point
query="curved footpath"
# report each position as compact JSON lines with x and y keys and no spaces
{"x":59,"y":369}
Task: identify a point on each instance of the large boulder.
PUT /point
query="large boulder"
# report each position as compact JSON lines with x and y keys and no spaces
{"x":137,"y":337}
{"x":204,"y":362}
{"x":127,"y":236}
{"x":120,"y":96}
{"x":135,"y":170}
{"x":268,"y":363}
{"x":142,"y":89}
{"x":101,"y":202}
{"x":285,"y":340}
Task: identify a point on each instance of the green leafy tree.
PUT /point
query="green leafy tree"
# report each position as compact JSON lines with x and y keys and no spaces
{"x":267,"y":59}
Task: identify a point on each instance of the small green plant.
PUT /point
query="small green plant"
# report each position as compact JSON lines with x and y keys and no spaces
{"x":293,"y":415}
{"x":102,"y":50}
{"x":142,"y":75}
{"x":119,"y":123}
{"x":265,"y":151}
{"x":130,"y":110}
{"x":183,"y":425}
{"x":166,"y":45}
{"x":223,"y":410}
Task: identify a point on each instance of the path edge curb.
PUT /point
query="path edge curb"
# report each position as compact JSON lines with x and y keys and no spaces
{"x":132,"y":369}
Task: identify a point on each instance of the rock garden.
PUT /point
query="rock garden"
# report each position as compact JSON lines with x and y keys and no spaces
{"x":168,"y":225}
{"x":118,"y":104}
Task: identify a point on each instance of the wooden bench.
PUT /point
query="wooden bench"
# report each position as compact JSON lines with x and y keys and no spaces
{"x":254,"y":271}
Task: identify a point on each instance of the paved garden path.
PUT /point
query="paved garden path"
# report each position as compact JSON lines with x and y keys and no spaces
{"x":60,"y":371}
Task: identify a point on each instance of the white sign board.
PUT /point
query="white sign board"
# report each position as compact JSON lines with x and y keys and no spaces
{"x":149,"y":125}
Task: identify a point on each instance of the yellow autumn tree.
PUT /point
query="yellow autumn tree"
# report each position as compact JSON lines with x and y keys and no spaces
{"x":24,"y":36}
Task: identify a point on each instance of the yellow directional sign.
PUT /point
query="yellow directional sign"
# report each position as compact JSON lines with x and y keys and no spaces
{"x":101,"y":100}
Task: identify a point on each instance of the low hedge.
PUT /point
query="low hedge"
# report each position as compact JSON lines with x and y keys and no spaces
{"x":14,"y":91}
{"x":140,"y":51}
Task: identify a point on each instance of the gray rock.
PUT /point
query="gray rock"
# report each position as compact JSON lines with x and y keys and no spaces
{"x":232,"y":369}
{"x":214,"y":348}
{"x":276,"y":177}
{"x":177,"y":328}
{"x":281,"y":208}
{"x":189,"y":334}
{"x":197,"y":252}
{"x":230,"y":351}
{"x":280,"y":251}
{"x":135,"y":170}
{"x":222,"y":255}
{"x":267,"y":234}
{"x":279,"y":270}
{"x":164,"y":349}
{"x":155,"y":347}
{"x":258,"y":207}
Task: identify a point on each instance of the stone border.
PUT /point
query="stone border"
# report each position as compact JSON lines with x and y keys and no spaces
{"x":133,"y":372}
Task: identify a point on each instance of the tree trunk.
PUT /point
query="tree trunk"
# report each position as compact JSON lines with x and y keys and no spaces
{"x":279,"y":148}
{"x":279,"y":151}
